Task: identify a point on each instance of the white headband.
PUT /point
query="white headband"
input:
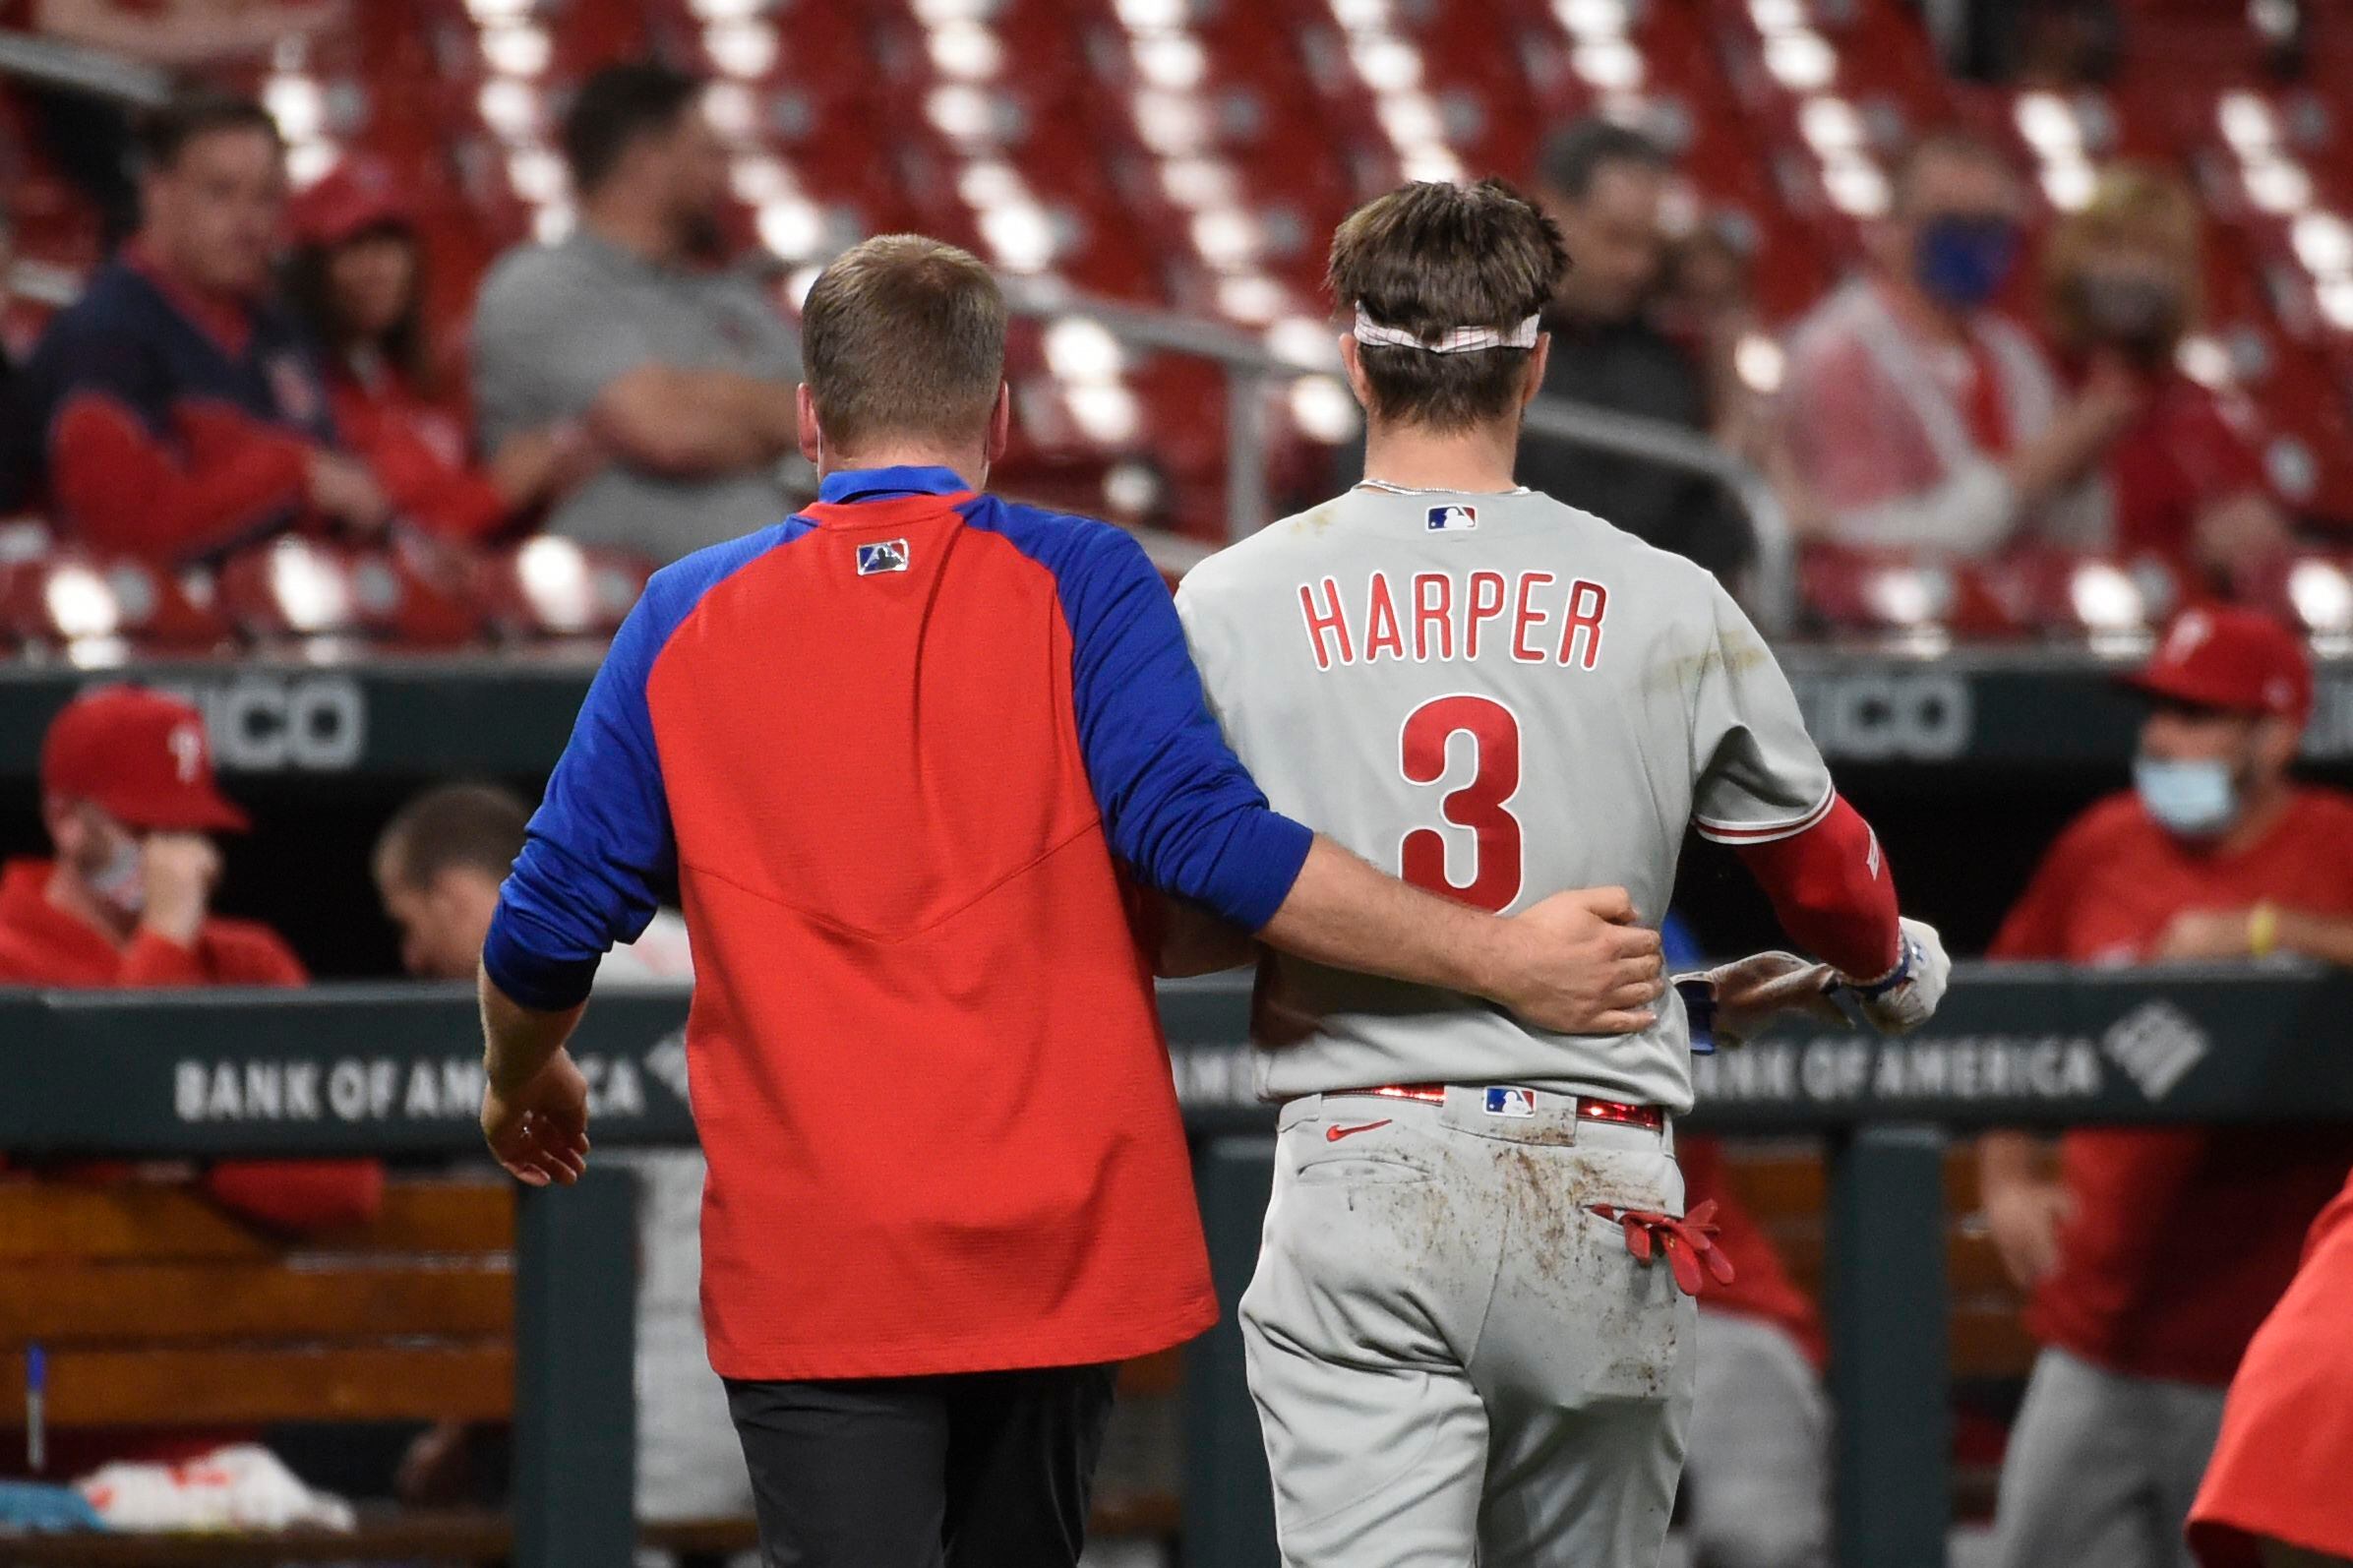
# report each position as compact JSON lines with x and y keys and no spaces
{"x":1454,"y":341}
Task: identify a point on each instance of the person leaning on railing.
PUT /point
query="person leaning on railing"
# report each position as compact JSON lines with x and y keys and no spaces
{"x":2153,"y":1253}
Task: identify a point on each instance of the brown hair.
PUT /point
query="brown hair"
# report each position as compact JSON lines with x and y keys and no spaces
{"x":1955,"y":142}
{"x":310,"y":291}
{"x":451,"y":826}
{"x":903,"y":335}
{"x":1428,"y":257}
{"x":2133,"y":203}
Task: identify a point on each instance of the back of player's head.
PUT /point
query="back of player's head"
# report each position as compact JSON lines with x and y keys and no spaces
{"x":903,"y":336}
{"x":452,"y":827}
{"x":615,"y":109}
{"x":1428,"y":259}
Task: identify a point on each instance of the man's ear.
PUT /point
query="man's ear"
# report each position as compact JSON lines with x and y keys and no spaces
{"x":1000,"y":424}
{"x":1353,"y":364}
{"x":1536,"y":361}
{"x":812,"y":439}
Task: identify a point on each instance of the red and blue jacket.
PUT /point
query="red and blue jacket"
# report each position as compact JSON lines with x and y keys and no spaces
{"x":167,"y":425}
{"x":899,"y":753}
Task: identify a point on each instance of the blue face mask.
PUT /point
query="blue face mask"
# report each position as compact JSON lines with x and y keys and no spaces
{"x":2194,"y":799}
{"x":1964,"y":261}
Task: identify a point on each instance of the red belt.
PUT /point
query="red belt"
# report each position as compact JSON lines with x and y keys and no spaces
{"x":1650,"y":1117}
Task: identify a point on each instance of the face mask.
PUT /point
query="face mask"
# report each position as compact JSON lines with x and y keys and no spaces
{"x":2194,"y":799}
{"x":122,"y":882}
{"x":2142,"y":316}
{"x":1963,"y":261}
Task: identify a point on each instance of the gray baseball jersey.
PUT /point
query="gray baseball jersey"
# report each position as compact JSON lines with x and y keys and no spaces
{"x":1499,"y":696}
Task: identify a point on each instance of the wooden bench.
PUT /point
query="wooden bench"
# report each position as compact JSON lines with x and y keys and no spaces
{"x":157,"y":1309}
{"x":1785,"y":1185}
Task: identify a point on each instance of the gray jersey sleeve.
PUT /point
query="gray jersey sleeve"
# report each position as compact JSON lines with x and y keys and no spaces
{"x":1760,"y":775}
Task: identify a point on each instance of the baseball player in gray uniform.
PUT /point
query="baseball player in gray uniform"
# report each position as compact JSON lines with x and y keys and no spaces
{"x":1468,"y":1334}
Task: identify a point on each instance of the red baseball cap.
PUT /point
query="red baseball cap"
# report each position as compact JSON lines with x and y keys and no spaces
{"x":355,"y":196}
{"x":139,"y":757}
{"x":2218,"y":656}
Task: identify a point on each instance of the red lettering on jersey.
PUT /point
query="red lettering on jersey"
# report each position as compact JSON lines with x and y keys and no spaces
{"x":1383,"y":631}
{"x":1529,"y":618}
{"x":1333,"y":620}
{"x":1434,"y":609}
{"x":1587,"y":602}
{"x":1482,"y":608}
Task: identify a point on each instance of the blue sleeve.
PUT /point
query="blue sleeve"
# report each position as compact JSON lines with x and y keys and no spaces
{"x":599,"y":846}
{"x":1178,"y":805}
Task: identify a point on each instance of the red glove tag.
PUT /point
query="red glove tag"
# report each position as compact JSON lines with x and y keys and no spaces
{"x":1689,"y":1241}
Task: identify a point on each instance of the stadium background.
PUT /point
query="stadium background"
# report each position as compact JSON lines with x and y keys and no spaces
{"x":1157,"y":180}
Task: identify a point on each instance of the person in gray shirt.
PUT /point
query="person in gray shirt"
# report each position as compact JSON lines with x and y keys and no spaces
{"x":682,"y":371}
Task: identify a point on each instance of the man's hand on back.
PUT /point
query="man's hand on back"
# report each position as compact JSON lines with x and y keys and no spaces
{"x":1578,"y":964}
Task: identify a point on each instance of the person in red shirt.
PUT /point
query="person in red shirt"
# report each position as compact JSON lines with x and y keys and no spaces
{"x":129,"y":799}
{"x":2185,"y":483}
{"x":356,"y":279}
{"x":177,"y":413}
{"x":2276,"y":1494}
{"x":2152,"y":1256}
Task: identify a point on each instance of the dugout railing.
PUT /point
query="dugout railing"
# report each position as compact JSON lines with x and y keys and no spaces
{"x":393,"y":1069}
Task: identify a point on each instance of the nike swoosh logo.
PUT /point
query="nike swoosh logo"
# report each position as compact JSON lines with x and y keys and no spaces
{"x":1335,"y":1134}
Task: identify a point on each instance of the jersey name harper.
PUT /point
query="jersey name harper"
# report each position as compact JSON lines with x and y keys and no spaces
{"x":1532,"y":617}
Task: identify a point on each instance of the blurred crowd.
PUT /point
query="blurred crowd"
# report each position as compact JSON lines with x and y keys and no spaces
{"x":253,"y":362}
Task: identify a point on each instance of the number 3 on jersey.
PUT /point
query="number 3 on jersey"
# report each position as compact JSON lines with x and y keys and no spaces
{"x":1480,"y":804}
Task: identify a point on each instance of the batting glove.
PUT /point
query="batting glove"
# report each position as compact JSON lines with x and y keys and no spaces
{"x":1734,"y":1004}
{"x":1906,"y":995}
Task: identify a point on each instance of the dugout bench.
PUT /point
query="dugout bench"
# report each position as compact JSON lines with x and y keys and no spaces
{"x":393,"y":1069}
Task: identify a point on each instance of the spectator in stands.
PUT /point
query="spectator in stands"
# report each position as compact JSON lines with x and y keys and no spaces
{"x":1603,"y":184}
{"x":1756,"y":1472}
{"x":2122,"y":281}
{"x":355,"y":279}
{"x":439,"y":864}
{"x":129,"y":801}
{"x":683,"y":373}
{"x":183,"y":412}
{"x":1916,"y":417}
{"x":2152,"y":1256}
{"x":86,"y":135}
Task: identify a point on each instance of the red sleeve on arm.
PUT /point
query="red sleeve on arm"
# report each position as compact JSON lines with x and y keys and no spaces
{"x":154,"y":959}
{"x":298,"y":1194}
{"x":1833,"y":891}
{"x":121,"y":488}
{"x":456,"y":501}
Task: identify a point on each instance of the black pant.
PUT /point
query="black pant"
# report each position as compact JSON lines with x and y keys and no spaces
{"x":974,"y":1470}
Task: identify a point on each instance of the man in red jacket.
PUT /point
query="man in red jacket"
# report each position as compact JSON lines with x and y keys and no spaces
{"x":129,"y":799}
{"x":2153,"y":1253}
{"x":174,"y":410}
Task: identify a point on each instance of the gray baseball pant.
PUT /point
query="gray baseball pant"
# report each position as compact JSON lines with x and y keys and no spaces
{"x":1454,"y":1359}
{"x":2103,"y":1467}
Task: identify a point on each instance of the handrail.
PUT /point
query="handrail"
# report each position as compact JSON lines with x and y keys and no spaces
{"x":1249,"y":364}
{"x":67,"y":65}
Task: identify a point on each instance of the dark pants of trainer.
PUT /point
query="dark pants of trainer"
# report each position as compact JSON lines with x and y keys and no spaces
{"x":972,"y":1470}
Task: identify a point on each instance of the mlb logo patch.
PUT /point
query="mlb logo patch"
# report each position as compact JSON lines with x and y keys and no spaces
{"x":1452,"y":520}
{"x":890,"y":555}
{"x":1511,"y":1102}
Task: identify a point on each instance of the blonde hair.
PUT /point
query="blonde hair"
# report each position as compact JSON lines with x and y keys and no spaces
{"x":2133,"y":203}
